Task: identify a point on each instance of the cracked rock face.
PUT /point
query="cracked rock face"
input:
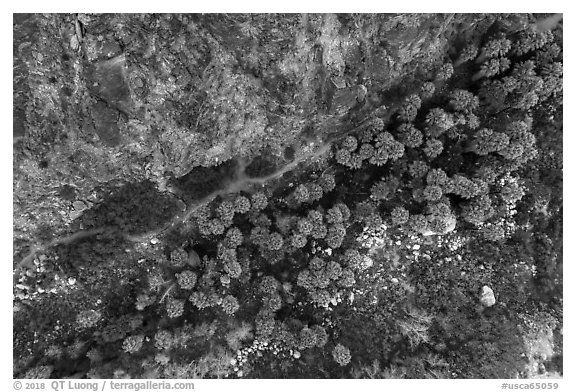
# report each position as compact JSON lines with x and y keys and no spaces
{"x":156,"y":96}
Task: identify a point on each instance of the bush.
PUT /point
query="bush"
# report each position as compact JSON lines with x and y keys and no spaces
{"x":174,"y":307}
{"x":230,"y":304}
{"x":410,"y":108}
{"x":410,"y":136}
{"x":133,"y":344}
{"x":234,"y":237}
{"x":187,"y":280}
{"x":400,"y":215}
{"x":445,"y":72}
{"x":438,"y":122}
{"x":298,"y":241}
{"x":301,"y":193}
{"x":259,"y":201}
{"x":433,"y":148}
{"x":88,"y":318}
{"x":242,"y":205}
{"x":487,"y":141}
{"x":464,"y":101}
{"x":341,"y":355}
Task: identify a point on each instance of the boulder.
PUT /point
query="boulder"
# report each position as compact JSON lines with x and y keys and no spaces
{"x":487,"y":297}
{"x":110,"y":84}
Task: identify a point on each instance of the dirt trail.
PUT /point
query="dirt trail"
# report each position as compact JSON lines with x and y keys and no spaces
{"x":241,"y":182}
{"x":27,"y":261}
